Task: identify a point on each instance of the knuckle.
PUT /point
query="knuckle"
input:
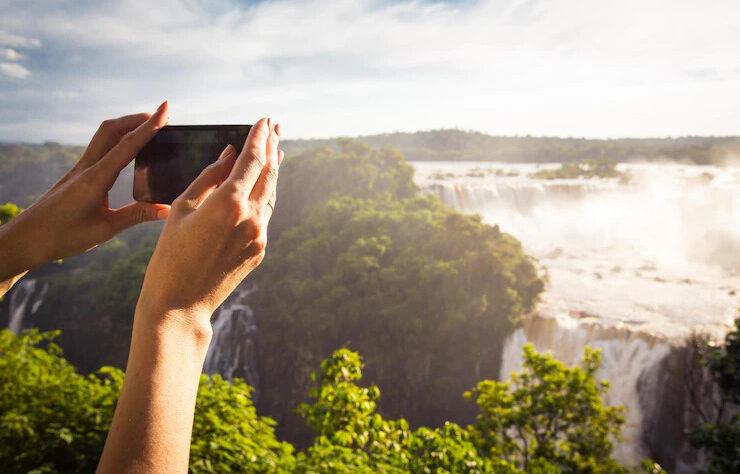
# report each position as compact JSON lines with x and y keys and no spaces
{"x":258,"y":153}
{"x":180,"y":205}
{"x":271,"y":172}
{"x":233,"y":201}
{"x":232,"y":209}
{"x":229,"y":188}
{"x":252,"y":229}
{"x":107,"y":126}
{"x":252,"y":223}
{"x":259,"y":244}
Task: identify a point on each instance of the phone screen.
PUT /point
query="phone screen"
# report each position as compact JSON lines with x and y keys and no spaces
{"x":167,"y":165}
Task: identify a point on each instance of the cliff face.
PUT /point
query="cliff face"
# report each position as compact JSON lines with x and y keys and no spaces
{"x":662,"y":392}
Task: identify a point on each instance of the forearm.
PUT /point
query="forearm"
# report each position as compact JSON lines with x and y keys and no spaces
{"x":22,"y":248}
{"x":13,"y":258}
{"x":153,"y":421}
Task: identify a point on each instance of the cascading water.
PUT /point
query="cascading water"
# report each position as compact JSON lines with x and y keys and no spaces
{"x":24,"y":301}
{"x":633,"y":269}
{"x":626,"y":357}
{"x":231,"y":353}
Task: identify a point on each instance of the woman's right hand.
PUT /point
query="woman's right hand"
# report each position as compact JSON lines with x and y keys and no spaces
{"x":215,"y":233}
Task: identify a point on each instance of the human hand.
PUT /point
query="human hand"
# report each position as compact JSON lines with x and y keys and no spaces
{"x":74,"y":216}
{"x":216,"y":231}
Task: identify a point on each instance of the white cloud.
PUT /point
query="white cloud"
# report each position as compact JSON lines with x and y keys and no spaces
{"x":17,"y":41}
{"x":14,"y":70}
{"x":565,"y":67}
{"x":10,"y":54}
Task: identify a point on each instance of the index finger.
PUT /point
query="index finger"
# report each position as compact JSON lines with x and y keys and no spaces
{"x":125,"y":150}
{"x":108,"y":134}
{"x":252,"y":159}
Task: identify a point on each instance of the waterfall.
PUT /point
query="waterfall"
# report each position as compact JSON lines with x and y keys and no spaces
{"x":24,"y":301}
{"x":627,"y":357}
{"x":633,"y":270}
{"x":232,"y":353}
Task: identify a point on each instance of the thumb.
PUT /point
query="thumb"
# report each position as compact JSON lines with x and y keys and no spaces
{"x":136,"y":213}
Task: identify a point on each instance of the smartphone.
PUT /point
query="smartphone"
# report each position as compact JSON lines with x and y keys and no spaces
{"x":177,"y":154}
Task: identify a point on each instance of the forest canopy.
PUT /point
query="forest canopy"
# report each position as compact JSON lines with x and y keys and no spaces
{"x":425,"y":293}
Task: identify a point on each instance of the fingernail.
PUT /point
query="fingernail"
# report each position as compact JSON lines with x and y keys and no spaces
{"x":161,"y":106}
{"x":228,"y":152}
{"x":277,"y":129}
{"x":162,"y":214}
{"x":269,"y":123}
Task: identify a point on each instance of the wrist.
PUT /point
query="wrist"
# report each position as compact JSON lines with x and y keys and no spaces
{"x":14,"y":261}
{"x":193,"y":324}
{"x":21,"y":249}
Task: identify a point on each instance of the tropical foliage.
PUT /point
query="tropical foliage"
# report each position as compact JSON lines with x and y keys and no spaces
{"x":382,"y":275}
{"x":28,"y":170}
{"x":586,"y":169}
{"x":8,"y":211}
{"x":55,"y":420}
{"x":533,"y":416}
{"x":720,"y":440}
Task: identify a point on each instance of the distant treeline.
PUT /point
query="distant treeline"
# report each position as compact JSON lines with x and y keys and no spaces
{"x":460,"y":145}
{"x":27,"y":170}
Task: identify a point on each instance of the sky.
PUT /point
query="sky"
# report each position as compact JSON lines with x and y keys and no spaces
{"x":327,"y":68}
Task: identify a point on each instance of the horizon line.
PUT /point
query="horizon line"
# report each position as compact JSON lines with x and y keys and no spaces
{"x":5,"y":141}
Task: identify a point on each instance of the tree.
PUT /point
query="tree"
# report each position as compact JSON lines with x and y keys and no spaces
{"x":53,"y":419}
{"x":548,"y":412}
{"x":93,"y":297}
{"x":8,"y":211}
{"x":310,"y":179}
{"x":353,"y":438}
{"x":424,"y":293}
{"x":720,"y":439}
{"x":229,"y":436}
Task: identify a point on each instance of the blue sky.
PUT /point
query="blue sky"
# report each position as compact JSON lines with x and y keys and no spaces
{"x":328,"y":68}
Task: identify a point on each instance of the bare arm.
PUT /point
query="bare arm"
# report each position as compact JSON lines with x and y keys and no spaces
{"x":214,"y":236}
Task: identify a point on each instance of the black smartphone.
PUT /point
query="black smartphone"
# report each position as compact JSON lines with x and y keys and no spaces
{"x":177,"y":154}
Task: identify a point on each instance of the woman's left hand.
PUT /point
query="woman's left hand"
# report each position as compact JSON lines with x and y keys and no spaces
{"x":74,"y":216}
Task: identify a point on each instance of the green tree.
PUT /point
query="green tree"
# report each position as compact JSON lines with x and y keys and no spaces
{"x":548,"y":412}
{"x":8,"y":211}
{"x":720,"y":440}
{"x":381,"y":276}
{"x":53,"y":419}
{"x":311,"y":178}
{"x":352,"y":437}
{"x":93,"y":298}
{"x":229,"y":436}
